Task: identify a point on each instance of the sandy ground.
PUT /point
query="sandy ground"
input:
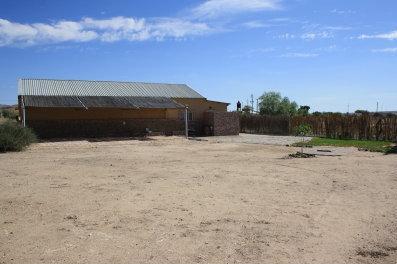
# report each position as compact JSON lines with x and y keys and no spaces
{"x":170,"y":200}
{"x":257,"y":139}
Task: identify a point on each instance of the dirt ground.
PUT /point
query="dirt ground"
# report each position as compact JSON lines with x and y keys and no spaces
{"x":258,"y":139}
{"x":169,"y":200}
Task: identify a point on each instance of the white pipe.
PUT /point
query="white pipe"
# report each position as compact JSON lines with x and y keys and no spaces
{"x":86,"y":108}
{"x":186,"y":123}
{"x":23,"y":112}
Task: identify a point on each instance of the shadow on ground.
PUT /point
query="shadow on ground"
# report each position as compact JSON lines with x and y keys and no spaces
{"x":104,"y":139}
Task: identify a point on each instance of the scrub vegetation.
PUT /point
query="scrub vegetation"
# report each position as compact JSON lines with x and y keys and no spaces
{"x":367,"y":145}
{"x":14,"y":137}
{"x":9,"y":114}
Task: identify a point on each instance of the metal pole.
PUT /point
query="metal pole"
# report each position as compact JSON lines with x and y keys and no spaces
{"x":186,"y":122}
{"x":23,"y":112}
{"x":257,"y":105}
{"x":252,"y":103}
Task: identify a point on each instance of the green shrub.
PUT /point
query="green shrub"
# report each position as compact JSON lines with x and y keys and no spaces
{"x":391,"y":150}
{"x":14,"y":137}
{"x":9,"y":114}
{"x":303,"y":130}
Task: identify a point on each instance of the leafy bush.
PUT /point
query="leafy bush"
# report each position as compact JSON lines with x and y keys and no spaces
{"x":303,"y":110}
{"x":391,"y":150}
{"x":303,"y":130}
{"x":9,"y":114}
{"x":14,"y":137}
{"x":247,"y":110}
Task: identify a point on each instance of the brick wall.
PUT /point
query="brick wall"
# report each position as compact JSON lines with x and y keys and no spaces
{"x":104,"y":128}
{"x":221,"y":123}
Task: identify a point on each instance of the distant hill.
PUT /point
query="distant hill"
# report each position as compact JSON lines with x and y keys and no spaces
{"x":2,"y":106}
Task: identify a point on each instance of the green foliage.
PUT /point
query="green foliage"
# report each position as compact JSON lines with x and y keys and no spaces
{"x":369,"y":145}
{"x":327,"y":114}
{"x":303,"y":130}
{"x":271,"y":103}
{"x":14,"y":137}
{"x":391,"y":150}
{"x":9,"y":114}
{"x":247,"y":110}
{"x":304,"y":110}
{"x":363,"y":112}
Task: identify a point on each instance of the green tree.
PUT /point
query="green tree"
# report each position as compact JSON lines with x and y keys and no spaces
{"x":247,"y":110}
{"x":363,"y":112}
{"x":303,"y":130}
{"x":269,"y":103}
{"x":272,"y":103}
{"x":304,"y":110}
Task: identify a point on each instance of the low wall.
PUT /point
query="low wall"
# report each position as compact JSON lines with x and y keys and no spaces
{"x":104,"y":128}
{"x":221,"y":123}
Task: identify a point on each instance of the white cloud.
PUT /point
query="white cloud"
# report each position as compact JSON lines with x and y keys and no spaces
{"x":129,"y":28}
{"x":299,"y":55}
{"x":107,"y":30}
{"x":338,"y":28}
{"x":217,"y":8}
{"x":281,"y":19}
{"x":343,"y":12}
{"x":386,"y":50}
{"x":329,"y":48}
{"x":29,"y":34}
{"x":287,"y":36}
{"x":253,"y":53}
{"x":390,"y":36}
{"x":177,"y":28}
{"x":256,"y":24}
{"x":63,"y":31}
{"x":115,"y":23}
{"x":319,"y":35}
{"x":10,"y":32}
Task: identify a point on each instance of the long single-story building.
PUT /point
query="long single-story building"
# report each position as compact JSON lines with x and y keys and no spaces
{"x":76,"y":108}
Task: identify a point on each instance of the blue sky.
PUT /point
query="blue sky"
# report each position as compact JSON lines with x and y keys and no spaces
{"x":324,"y":53}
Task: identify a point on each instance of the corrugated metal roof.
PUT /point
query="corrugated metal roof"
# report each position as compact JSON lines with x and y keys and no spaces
{"x":46,"y":87}
{"x":100,"y":101}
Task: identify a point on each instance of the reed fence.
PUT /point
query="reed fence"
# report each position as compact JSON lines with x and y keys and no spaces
{"x":362,"y":127}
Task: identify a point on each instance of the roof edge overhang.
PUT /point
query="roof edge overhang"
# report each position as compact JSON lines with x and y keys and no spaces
{"x":218,"y":102}
{"x":87,"y":102}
